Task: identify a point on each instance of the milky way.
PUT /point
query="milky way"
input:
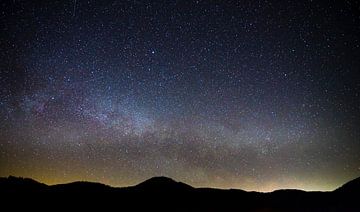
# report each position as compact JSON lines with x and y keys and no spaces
{"x":257,"y":95}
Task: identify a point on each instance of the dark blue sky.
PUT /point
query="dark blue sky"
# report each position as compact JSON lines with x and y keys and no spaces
{"x":256,"y":95}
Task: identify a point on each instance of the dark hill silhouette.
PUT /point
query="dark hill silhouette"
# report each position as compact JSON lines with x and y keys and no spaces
{"x":81,"y":187}
{"x":19,"y":184}
{"x":163,"y":184}
{"x":352,"y":186}
{"x":165,"y":194}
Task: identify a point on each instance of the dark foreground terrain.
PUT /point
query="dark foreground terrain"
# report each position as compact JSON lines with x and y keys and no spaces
{"x":165,"y":194}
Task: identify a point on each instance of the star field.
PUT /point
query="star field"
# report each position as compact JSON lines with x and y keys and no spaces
{"x":257,"y":95}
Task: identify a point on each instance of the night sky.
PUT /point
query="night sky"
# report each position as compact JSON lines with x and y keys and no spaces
{"x":255,"y":95}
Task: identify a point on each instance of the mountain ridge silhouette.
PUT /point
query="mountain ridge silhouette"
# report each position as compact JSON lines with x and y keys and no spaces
{"x":163,"y":193}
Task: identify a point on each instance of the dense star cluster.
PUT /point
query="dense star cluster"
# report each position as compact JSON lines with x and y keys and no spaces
{"x":257,"y":95}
